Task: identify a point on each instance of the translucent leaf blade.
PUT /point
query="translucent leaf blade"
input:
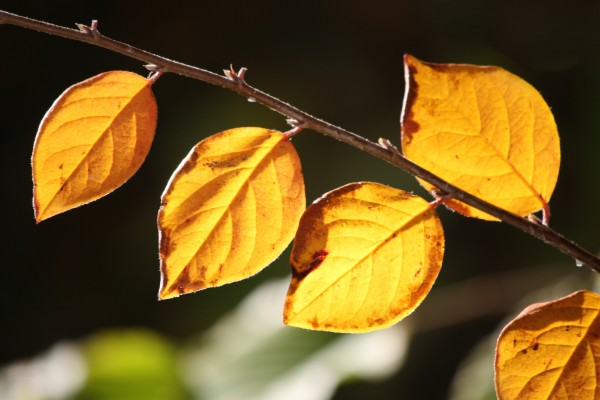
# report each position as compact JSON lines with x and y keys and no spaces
{"x":484,"y":130}
{"x":364,"y":257}
{"x":229,"y":210}
{"x":92,"y":140}
{"x":551,"y":351}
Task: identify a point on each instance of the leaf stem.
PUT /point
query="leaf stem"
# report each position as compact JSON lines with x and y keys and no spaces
{"x":294,"y":131}
{"x":236,"y":82}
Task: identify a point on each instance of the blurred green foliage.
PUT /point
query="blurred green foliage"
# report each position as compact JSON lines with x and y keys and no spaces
{"x":133,"y":365}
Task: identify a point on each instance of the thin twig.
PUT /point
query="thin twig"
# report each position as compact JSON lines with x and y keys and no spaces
{"x":236,"y":82}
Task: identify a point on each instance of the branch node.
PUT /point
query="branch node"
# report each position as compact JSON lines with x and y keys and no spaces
{"x":152,"y":67}
{"x":435,"y":203}
{"x":154,"y":75}
{"x":293,"y":122}
{"x":297,"y":127}
{"x":237,"y":77}
{"x":387,"y":144}
{"x":91,"y":30}
{"x":534,"y":218}
{"x":155,"y":72}
{"x":242,"y":74}
{"x":440,"y":194}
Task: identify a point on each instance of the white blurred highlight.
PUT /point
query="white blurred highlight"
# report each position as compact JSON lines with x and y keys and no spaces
{"x":56,"y":374}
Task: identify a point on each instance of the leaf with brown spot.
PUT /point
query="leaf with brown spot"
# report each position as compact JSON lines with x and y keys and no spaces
{"x":229,"y":210}
{"x":364,"y":257}
{"x":483,"y":130}
{"x":92,"y":140}
{"x":551,"y":351}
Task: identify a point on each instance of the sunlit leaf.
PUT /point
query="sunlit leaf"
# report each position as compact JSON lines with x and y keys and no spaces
{"x":484,"y":130}
{"x":552,"y":351}
{"x":229,"y":210}
{"x":364,"y":257}
{"x":93,"y":139}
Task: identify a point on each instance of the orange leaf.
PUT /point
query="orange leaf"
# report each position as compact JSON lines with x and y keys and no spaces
{"x":91,"y":141}
{"x":364,"y":257}
{"x":485,"y":131}
{"x":551,"y":351}
{"x":229,"y":210}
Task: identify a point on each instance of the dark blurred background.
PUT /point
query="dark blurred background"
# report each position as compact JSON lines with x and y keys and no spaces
{"x":96,"y":267}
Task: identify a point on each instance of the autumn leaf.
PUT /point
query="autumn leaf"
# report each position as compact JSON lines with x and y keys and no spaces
{"x":551,"y":351}
{"x":92,"y":140}
{"x":483,"y":130}
{"x":364,"y":257}
{"x":229,"y":210}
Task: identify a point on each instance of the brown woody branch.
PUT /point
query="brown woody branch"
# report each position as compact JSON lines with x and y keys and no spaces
{"x":235,"y":82}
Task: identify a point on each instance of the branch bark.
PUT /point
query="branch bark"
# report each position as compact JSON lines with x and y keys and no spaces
{"x":235,"y":82}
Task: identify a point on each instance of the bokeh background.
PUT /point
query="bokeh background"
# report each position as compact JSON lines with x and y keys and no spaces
{"x":89,"y":278}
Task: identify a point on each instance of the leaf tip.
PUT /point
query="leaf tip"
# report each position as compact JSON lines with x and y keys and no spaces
{"x":37,"y":214}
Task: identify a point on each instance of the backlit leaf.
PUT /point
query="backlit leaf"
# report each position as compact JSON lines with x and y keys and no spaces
{"x":229,"y":210}
{"x":93,"y":139}
{"x":364,"y":257}
{"x":551,"y":351}
{"x":484,"y":130}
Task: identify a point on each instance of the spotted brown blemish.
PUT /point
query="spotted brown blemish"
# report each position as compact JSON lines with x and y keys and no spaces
{"x":289,"y":300}
{"x":408,"y":123}
{"x":535,"y":347}
{"x":191,"y":161}
{"x":230,"y":163}
{"x":166,"y":247}
{"x":375,"y":322}
{"x":183,"y":280}
{"x":201,"y":276}
{"x":314,"y":322}
{"x":186,"y":283}
{"x":316,"y":260}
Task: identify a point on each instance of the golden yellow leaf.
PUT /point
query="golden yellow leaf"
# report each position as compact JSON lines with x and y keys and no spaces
{"x":93,"y":139}
{"x":364,"y":257}
{"x":484,"y":130}
{"x":552,"y":351}
{"x":229,"y":210}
